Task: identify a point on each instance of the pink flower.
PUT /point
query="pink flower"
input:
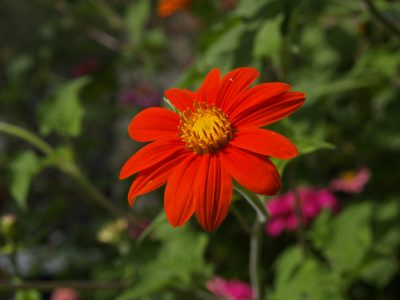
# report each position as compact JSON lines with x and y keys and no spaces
{"x":351,"y":182}
{"x":64,"y":294}
{"x":230,"y":289}
{"x":283,"y":209}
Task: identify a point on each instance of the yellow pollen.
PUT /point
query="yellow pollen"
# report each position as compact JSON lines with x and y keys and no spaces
{"x":205,"y":129}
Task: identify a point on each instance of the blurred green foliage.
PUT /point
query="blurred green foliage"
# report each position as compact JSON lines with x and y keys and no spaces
{"x":72,"y":73}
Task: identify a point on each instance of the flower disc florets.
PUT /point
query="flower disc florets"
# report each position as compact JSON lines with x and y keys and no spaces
{"x":205,"y":129}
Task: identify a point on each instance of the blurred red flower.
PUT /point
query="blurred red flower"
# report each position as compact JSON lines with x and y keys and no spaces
{"x":214,"y":137}
{"x":168,"y":7}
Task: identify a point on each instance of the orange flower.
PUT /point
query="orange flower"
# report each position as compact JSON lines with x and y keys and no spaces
{"x":214,"y":138}
{"x":168,"y":7}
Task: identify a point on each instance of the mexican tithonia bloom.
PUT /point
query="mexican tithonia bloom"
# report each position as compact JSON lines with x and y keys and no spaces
{"x":213,"y":138}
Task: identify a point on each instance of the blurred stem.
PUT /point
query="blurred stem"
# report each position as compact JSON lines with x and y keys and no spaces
{"x":299,"y":216}
{"x":103,"y":38}
{"x":379,"y":16}
{"x":96,"y":194}
{"x":255,"y":238}
{"x":255,"y":257}
{"x":300,"y":228}
{"x":51,"y":285}
{"x":254,"y":201}
{"x":27,"y":136}
{"x":68,"y":167}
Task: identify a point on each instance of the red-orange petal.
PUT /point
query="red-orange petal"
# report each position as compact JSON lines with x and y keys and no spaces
{"x":153,"y":177}
{"x":152,"y":154}
{"x":213,"y":192}
{"x":265,"y":142}
{"x":208,"y":90}
{"x":179,"y":202}
{"x":258,"y":96}
{"x":181,"y":98}
{"x":255,"y":172}
{"x":233,"y":83}
{"x":281,"y":107}
{"x":153,"y":124}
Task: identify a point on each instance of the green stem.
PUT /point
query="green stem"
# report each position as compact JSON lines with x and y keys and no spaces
{"x":255,"y":202}
{"x":67,"y":167}
{"x":255,"y":238}
{"x":255,"y":257}
{"x":300,"y":228}
{"x":96,"y":194}
{"x":27,"y":136}
{"x":377,"y":14}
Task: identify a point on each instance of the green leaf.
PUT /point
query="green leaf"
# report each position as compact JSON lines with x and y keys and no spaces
{"x":180,"y":257}
{"x":351,"y":237}
{"x":380,"y":271}
{"x":19,"y":67}
{"x":306,"y":146}
{"x":135,"y":19}
{"x":23,"y":169}
{"x":63,"y":113}
{"x":321,"y":229}
{"x":268,"y":40}
{"x":249,"y":8}
{"x":299,"y":278}
{"x":170,"y":105}
{"x":182,"y":253}
{"x":27,"y":295}
{"x":220,"y":52}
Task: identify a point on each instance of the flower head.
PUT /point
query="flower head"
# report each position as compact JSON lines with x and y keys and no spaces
{"x":285,"y":213}
{"x":169,"y":7}
{"x":351,"y":182}
{"x":213,"y":138}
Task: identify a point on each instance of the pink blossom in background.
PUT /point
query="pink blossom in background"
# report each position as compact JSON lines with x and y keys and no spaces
{"x":351,"y":182}
{"x":142,"y":95}
{"x":64,"y":294}
{"x":230,"y":289}
{"x":283,"y":210}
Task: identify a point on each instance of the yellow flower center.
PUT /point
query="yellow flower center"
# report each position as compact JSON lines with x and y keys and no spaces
{"x":206,"y":129}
